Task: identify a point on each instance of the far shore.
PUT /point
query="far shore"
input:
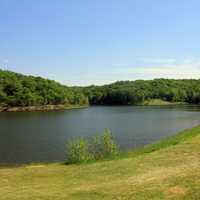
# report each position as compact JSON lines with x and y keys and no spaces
{"x":160,"y":102}
{"x":40,"y":108}
{"x":152,"y":102}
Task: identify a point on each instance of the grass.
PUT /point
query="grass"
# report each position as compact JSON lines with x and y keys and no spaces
{"x":166,"y":170}
{"x":159,"y":102}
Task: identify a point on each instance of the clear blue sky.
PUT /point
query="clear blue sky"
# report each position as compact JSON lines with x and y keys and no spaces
{"x":80,"y":42}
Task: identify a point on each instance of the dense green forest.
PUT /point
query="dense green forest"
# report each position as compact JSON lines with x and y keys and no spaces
{"x":20,"y":90}
{"x":135,"y":92}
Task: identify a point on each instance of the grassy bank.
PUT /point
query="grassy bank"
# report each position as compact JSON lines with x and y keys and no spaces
{"x":159,"y":102}
{"x":166,"y":170}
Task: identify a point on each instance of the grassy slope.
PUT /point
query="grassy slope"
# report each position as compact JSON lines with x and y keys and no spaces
{"x":159,"y":102}
{"x":166,"y":170}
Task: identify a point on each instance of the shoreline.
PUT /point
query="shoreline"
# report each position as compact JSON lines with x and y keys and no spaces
{"x":41,"y":108}
{"x":167,"y":170}
{"x":160,"y":102}
{"x":67,"y":107}
{"x":166,"y":142}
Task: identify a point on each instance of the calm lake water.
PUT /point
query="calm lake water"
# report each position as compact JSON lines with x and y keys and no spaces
{"x":40,"y":136}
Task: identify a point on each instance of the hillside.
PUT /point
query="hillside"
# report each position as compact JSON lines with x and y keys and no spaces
{"x":17,"y":90}
{"x":166,"y":170}
{"x":141,"y":91}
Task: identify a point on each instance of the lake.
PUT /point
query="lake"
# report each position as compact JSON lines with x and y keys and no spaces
{"x":41,"y":136}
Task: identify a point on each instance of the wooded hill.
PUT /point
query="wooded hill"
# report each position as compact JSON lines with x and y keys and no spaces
{"x":135,"y":92}
{"x":20,"y":90}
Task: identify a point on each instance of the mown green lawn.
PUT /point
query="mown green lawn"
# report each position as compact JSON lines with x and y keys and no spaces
{"x":166,"y":170}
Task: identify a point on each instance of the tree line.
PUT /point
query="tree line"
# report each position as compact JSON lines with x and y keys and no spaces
{"x":135,"y":92}
{"x":20,"y":90}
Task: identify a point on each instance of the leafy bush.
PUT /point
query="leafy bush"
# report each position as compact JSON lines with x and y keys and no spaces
{"x":78,"y":151}
{"x":104,"y":146}
{"x":99,"y":147}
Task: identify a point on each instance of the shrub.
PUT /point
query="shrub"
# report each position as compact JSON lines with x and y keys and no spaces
{"x":104,"y":146}
{"x":78,"y":151}
{"x":99,"y":147}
